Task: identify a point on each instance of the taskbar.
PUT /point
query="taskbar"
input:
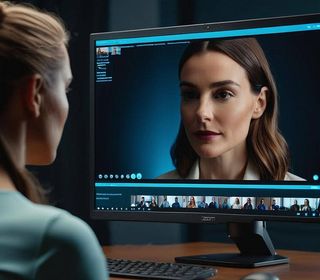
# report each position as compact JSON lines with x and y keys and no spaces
{"x":217,"y":211}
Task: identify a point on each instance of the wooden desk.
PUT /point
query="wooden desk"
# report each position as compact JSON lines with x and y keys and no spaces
{"x":302,"y":266}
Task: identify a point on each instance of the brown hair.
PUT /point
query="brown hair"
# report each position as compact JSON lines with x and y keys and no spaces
{"x":267,"y":149}
{"x":31,"y":42}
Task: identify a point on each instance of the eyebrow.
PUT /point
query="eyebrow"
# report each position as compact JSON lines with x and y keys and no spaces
{"x":212,"y":85}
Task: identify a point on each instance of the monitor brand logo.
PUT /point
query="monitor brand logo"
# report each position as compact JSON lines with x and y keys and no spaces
{"x":208,"y":219}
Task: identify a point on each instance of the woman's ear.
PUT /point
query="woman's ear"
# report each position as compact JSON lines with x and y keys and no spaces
{"x":260,"y":103}
{"x":32,"y":89}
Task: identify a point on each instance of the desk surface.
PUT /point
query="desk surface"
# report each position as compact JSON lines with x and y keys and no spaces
{"x":303,"y":265}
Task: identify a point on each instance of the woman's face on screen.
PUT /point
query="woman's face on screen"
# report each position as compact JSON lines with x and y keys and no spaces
{"x":217,"y":104}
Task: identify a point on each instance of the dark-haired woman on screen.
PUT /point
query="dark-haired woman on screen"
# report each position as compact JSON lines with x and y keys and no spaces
{"x":229,"y":126}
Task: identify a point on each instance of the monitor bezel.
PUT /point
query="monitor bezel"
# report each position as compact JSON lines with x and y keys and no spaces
{"x":174,"y":216}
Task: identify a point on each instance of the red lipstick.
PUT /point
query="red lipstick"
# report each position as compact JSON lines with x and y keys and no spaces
{"x":206,"y":135}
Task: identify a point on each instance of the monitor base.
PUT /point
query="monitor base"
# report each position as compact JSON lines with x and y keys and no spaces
{"x":254,"y":244}
{"x":234,"y":260}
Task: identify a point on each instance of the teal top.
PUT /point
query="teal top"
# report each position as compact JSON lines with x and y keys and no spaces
{"x":44,"y":242}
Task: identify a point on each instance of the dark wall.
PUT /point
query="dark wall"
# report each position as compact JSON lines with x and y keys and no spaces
{"x":68,"y":176}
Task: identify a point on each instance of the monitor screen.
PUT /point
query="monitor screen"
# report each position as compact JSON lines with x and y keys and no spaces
{"x":207,"y":123}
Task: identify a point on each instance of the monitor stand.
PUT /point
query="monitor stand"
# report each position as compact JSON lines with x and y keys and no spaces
{"x":255,"y":246}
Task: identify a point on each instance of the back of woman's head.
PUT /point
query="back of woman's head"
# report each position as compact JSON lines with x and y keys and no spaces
{"x":267,"y":149}
{"x":31,"y":42}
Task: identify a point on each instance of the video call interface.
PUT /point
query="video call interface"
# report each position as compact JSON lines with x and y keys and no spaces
{"x":137,"y":117}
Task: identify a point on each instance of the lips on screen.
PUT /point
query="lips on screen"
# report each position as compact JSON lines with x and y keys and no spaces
{"x":138,"y":113}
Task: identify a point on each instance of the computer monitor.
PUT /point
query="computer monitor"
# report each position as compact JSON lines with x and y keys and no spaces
{"x":208,"y":123}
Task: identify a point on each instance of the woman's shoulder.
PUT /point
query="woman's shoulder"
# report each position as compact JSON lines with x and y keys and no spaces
{"x":33,"y":215}
{"x":62,"y":222}
{"x":173,"y":174}
{"x":61,"y":245}
{"x":292,"y":177}
{"x":69,"y":239}
{"x":47,"y":215}
{"x":56,"y":225}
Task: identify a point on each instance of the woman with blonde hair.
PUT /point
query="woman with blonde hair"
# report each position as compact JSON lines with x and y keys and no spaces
{"x":36,"y":241}
{"x":229,"y":115}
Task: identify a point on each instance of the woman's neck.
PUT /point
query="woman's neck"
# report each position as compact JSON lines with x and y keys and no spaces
{"x":229,"y":166}
{"x":5,"y":181}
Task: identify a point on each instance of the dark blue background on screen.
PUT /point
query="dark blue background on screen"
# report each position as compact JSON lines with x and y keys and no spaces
{"x":137,"y":114}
